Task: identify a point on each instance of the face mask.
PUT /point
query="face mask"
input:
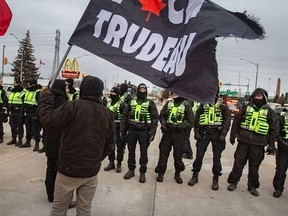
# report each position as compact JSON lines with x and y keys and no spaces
{"x":113,"y":97}
{"x":258,"y":103}
{"x":178,"y":100}
{"x":141,"y":95}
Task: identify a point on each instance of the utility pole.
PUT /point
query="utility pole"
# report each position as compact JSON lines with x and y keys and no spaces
{"x":3,"y":61}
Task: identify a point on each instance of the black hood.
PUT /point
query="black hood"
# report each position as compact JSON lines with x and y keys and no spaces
{"x":91,"y":86}
{"x":59,"y":88}
{"x":261,"y":91}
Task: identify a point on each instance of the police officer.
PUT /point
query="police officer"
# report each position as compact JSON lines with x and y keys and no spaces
{"x":255,"y":126}
{"x":139,"y":121}
{"x":73,"y":94}
{"x":3,"y":105}
{"x":281,"y":156}
{"x":16,"y":115}
{"x":212,"y":123}
{"x":187,"y":151}
{"x":124,"y":94}
{"x":116,"y":106}
{"x":32,"y":125}
{"x":176,"y":117}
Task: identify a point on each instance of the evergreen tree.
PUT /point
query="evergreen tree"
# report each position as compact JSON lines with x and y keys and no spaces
{"x":25,"y":60}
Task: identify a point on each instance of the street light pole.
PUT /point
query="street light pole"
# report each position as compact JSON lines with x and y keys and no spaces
{"x":3,"y":61}
{"x":257,"y":68}
{"x":22,"y":54}
{"x":248,"y":82}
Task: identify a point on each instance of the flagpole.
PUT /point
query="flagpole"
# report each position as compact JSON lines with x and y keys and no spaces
{"x":60,"y":66}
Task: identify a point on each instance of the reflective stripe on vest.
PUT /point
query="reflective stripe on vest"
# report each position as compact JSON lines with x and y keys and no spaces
{"x":71,"y":96}
{"x":116,"y":110}
{"x":212,"y":115}
{"x":1,"y":101}
{"x":30,"y":98}
{"x":195,"y":107}
{"x":284,"y":132}
{"x":15,"y":98}
{"x":140,"y":113}
{"x":175,"y":113}
{"x":256,"y":120}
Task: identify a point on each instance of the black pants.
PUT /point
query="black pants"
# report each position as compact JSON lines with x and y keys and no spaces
{"x":217,"y":148}
{"x":142,"y":136}
{"x":281,"y":168}
{"x":170,"y":139}
{"x":33,"y":127}
{"x":254,"y":154}
{"x":120,"y":145}
{"x":186,"y":146}
{"x":16,"y":124}
{"x":51,"y":173}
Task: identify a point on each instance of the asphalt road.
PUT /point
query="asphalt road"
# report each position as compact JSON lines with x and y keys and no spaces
{"x":23,"y":193}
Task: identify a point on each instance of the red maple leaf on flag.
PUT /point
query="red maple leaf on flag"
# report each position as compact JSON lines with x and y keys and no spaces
{"x":153,"y":6}
{"x":5,"y":17}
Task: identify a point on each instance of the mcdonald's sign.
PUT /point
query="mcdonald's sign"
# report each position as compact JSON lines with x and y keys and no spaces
{"x":71,"y":69}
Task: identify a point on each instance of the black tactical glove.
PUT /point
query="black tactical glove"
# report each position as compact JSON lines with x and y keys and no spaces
{"x":164,"y":128}
{"x":222,"y":139}
{"x":152,"y":134}
{"x":232,"y":140}
{"x":123,"y":136}
{"x":197,"y":135}
{"x":271,"y":149}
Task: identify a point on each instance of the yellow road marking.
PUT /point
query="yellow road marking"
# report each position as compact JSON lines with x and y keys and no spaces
{"x":15,"y":155}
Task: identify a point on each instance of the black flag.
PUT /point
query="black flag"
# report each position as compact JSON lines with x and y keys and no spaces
{"x":170,"y":43}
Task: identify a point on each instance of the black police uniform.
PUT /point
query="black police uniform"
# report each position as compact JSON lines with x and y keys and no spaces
{"x":252,"y":140}
{"x":140,"y":125}
{"x":176,"y":117}
{"x":213,"y":131}
{"x":16,"y":120}
{"x":3,"y":105}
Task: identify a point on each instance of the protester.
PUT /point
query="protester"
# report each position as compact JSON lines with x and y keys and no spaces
{"x":73,"y":94}
{"x":255,"y":126}
{"x":139,"y":123}
{"x":87,"y":137}
{"x":176,"y":117}
{"x":52,"y":138}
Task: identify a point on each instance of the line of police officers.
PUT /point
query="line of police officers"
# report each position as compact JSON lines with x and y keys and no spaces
{"x":255,"y":127}
{"x":21,"y":107}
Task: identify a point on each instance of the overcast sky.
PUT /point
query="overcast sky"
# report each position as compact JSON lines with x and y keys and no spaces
{"x":42,"y":18}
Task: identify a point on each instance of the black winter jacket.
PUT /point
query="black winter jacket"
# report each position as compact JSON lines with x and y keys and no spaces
{"x":88,"y":130}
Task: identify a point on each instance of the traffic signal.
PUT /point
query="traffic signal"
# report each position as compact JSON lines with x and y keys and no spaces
{"x":5,"y":60}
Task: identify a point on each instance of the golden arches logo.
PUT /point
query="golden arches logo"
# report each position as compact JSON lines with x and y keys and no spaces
{"x":70,"y":69}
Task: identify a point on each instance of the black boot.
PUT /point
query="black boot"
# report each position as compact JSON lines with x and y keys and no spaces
{"x":178,"y":178}
{"x":194,"y":179}
{"x":215,"y":185}
{"x":160,"y":177}
{"x":129,"y":174}
{"x":42,"y":150}
{"x":36,"y":148}
{"x":118,"y":167}
{"x":13,"y":141}
{"x":19,"y":143}
{"x":142,"y":178}
{"x":26,"y":144}
{"x":110,"y":166}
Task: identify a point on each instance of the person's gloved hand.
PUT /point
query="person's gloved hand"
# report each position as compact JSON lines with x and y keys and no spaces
{"x":222,"y":139}
{"x":197,"y":135}
{"x":123,"y":136}
{"x":271,"y":149}
{"x":152,"y":134}
{"x":232,"y":140}
{"x":164,"y":128}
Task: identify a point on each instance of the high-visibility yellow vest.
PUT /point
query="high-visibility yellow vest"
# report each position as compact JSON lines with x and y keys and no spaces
{"x":116,"y":110}
{"x":30,"y":97}
{"x":256,"y":120}
{"x":175,"y":113}
{"x":212,"y":115}
{"x":1,"y":101}
{"x":140,"y":112}
{"x":15,"y":98}
{"x":70,"y":98}
{"x":284,"y":132}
